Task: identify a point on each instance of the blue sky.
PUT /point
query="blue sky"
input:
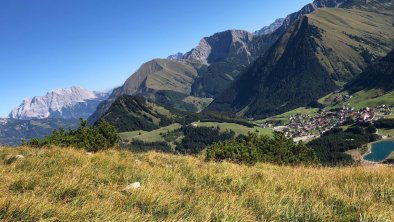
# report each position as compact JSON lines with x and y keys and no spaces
{"x":47,"y":44}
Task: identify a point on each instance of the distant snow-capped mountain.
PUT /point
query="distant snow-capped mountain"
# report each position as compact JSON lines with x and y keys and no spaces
{"x":67,"y":103}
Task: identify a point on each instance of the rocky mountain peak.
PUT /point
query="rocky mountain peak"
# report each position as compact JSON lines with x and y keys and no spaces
{"x":219,"y":46}
{"x":271,"y":28}
{"x":177,"y":56}
{"x":59,"y":103}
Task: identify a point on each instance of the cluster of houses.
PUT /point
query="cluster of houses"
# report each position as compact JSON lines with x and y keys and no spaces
{"x":305,"y":127}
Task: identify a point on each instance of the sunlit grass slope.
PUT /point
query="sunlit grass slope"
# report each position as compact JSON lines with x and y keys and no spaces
{"x":70,"y":185}
{"x":346,"y":33}
{"x":284,"y":117}
{"x":359,"y":100}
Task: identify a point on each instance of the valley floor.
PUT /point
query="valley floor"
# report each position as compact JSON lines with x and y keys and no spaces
{"x":71,"y":185}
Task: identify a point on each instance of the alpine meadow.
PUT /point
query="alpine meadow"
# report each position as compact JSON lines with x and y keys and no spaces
{"x":272,"y":117}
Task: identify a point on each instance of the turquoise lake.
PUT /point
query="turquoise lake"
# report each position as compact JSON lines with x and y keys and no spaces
{"x":380,"y":151}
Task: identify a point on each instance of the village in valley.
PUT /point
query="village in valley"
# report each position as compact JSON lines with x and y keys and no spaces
{"x":304,"y":127}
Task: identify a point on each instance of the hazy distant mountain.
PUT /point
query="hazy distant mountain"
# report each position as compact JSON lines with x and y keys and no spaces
{"x":13,"y":131}
{"x":177,"y":56}
{"x":271,"y":28}
{"x":68,"y":103}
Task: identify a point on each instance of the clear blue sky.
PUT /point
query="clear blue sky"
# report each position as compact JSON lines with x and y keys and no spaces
{"x":47,"y":44}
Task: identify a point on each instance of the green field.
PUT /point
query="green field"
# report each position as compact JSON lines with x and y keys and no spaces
{"x":387,"y":132}
{"x":359,"y":100}
{"x":159,"y":134}
{"x":371,"y":98}
{"x":346,"y":32}
{"x":152,"y":136}
{"x":284,"y":117}
{"x":237,"y":128}
{"x":391,"y":116}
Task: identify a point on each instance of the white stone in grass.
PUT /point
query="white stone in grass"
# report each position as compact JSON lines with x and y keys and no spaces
{"x":19,"y":156}
{"x":133,"y":186}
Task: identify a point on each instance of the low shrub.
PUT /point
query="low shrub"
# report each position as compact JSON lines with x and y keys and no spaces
{"x":90,"y":138}
{"x":252,"y":148}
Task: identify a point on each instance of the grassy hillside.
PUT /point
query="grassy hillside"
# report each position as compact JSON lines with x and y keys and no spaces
{"x":165,"y":81}
{"x":284,"y":117}
{"x":149,"y":136}
{"x":70,"y":185}
{"x":351,"y":39}
{"x":359,"y":100}
{"x":371,"y":88}
{"x":237,"y":128}
{"x":161,"y":74}
{"x":130,"y":113}
{"x":371,"y":98}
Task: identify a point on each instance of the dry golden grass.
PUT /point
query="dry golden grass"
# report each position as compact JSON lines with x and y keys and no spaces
{"x":71,"y":185}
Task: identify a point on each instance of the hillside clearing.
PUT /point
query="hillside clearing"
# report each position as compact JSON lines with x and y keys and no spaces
{"x":237,"y":128}
{"x":284,"y":117}
{"x":158,"y":135}
{"x":152,"y":136}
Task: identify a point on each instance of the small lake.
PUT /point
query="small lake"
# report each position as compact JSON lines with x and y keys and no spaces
{"x":380,"y":151}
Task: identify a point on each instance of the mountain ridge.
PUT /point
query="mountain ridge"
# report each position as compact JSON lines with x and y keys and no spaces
{"x":67,"y":103}
{"x":216,"y":62}
{"x":328,"y":55}
{"x":266,"y":30}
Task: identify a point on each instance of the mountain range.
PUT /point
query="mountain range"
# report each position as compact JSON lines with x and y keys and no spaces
{"x":295,"y":61}
{"x":13,"y":131}
{"x":37,"y":117}
{"x":190,"y":81}
{"x":318,"y":54}
{"x":67,"y":103}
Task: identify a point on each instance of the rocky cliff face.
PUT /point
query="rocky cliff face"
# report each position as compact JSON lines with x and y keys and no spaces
{"x":68,"y":103}
{"x":271,"y":28}
{"x":225,"y":55}
{"x":220,"y":46}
